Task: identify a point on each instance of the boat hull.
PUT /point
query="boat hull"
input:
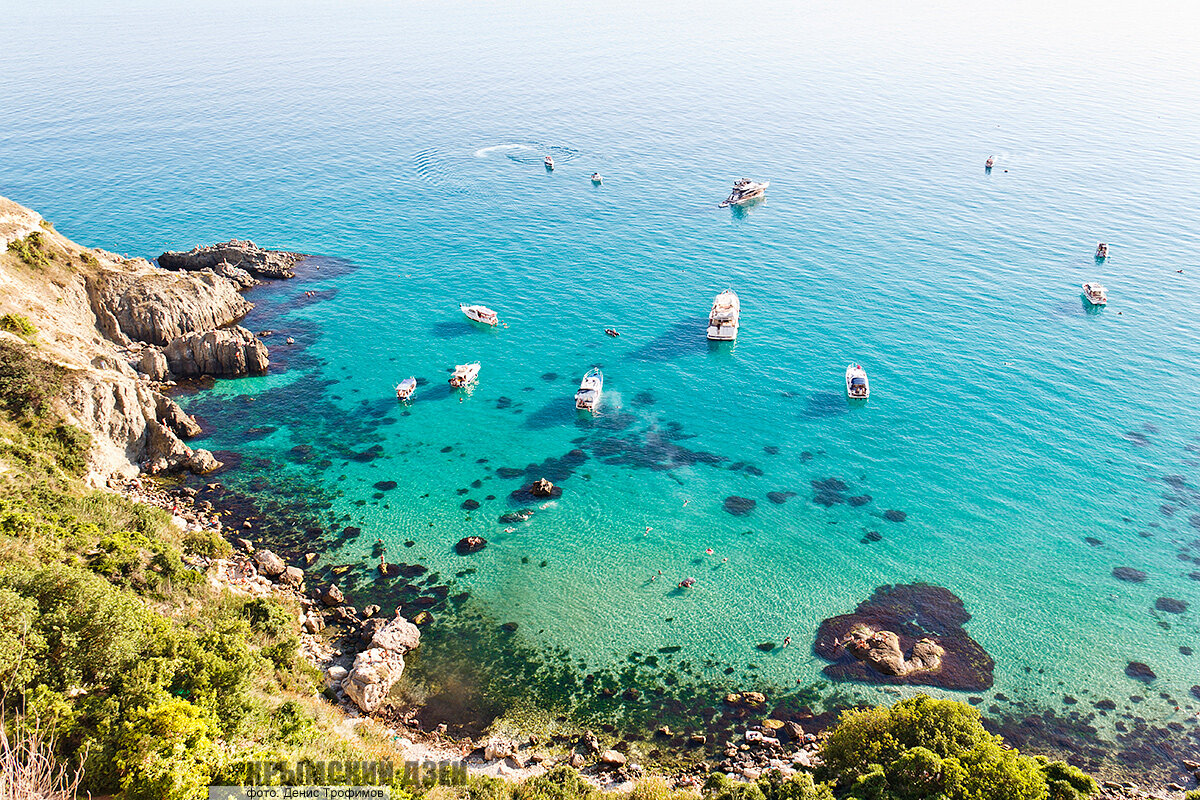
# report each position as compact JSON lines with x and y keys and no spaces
{"x":723,"y":333}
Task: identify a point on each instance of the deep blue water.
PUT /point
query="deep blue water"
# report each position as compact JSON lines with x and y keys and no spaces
{"x":1007,"y":422}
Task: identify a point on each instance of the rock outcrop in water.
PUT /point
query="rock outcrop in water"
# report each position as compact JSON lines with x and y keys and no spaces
{"x":910,"y":634}
{"x":245,"y":256}
{"x":228,"y":352}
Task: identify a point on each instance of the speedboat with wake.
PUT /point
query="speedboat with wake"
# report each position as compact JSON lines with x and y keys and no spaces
{"x":723,"y":319}
{"x":1095,"y":294}
{"x":745,"y":190}
{"x":465,"y":375}
{"x":481,"y":314}
{"x":589,"y":390}
{"x":857,"y":386}
{"x":405,"y":388}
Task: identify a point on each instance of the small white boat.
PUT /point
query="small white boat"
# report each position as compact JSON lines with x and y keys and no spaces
{"x":857,"y":386}
{"x":1095,"y":294}
{"x":596,"y":178}
{"x":465,"y":375}
{"x":991,"y":162}
{"x":723,"y":319}
{"x":405,"y":388}
{"x":549,"y":162}
{"x":1102,"y":250}
{"x":589,"y":390}
{"x":481,"y":314}
{"x":745,"y":190}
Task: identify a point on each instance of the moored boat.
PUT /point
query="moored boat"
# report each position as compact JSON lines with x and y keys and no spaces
{"x":1102,"y":250}
{"x":549,"y":162}
{"x":465,"y":375}
{"x":724,"y":318}
{"x":745,"y":190}
{"x":991,"y":162}
{"x":481,"y":314}
{"x":405,"y":388}
{"x":1095,"y":294}
{"x":857,"y":386}
{"x":596,"y":178}
{"x":589,"y":390}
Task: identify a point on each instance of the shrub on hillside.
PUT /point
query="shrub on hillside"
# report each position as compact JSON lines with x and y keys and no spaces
{"x":27,"y":383}
{"x":32,"y":250}
{"x":18,"y":324}
{"x":927,"y":748}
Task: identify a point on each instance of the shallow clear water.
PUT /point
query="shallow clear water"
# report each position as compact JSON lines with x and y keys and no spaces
{"x":1006,"y":421}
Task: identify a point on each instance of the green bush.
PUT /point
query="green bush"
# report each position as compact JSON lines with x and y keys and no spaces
{"x":32,"y":250}
{"x":926,"y":748}
{"x":18,"y":324}
{"x":167,"y":750}
{"x":206,"y":542}
{"x":560,"y":783}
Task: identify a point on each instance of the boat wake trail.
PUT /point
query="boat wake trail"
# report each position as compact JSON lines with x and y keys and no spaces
{"x":434,"y":167}
{"x":529,"y":152}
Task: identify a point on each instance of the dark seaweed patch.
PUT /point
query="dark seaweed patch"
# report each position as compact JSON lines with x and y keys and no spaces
{"x":739,"y":506}
{"x":829,"y":492}
{"x":1129,"y":574}
{"x":385,"y":486}
{"x":779,"y":498}
{"x":892,"y":515}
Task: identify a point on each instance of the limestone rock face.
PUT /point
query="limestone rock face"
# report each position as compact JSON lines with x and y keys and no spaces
{"x":245,"y":256}
{"x":377,"y":668}
{"x":157,"y":307}
{"x":226,"y":352}
{"x":153,"y":364}
{"x":130,"y":423}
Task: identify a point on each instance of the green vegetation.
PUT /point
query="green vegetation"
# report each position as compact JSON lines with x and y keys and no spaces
{"x":18,"y":324}
{"x":926,"y":748}
{"x":32,"y":250}
{"x":88,"y":259}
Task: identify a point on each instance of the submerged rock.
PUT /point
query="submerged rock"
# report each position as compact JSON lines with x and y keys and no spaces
{"x":779,"y":498}
{"x":1140,"y":672}
{"x":739,"y":506}
{"x":1170,"y":605}
{"x":1129,"y":574}
{"x":909,"y":633}
{"x":892,"y":515}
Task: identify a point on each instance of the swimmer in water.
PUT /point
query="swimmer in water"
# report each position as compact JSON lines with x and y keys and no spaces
{"x":685,"y":502}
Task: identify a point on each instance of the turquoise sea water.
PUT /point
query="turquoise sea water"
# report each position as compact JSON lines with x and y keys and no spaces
{"x":1007,"y":422}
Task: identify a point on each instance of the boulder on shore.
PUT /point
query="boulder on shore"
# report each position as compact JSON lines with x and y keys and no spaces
{"x":268,"y":563}
{"x":236,"y":254}
{"x":377,"y":668}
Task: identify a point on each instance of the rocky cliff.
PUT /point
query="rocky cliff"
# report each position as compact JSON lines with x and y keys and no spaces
{"x":234,"y":255}
{"x":121,"y":328}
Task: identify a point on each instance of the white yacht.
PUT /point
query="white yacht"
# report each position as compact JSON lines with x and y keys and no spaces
{"x":745,"y":190}
{"x":479,"y":314}
{"x":589,"y":390}
{"x":549,"y":162}
{"x":405,"y":388}
{"x":857,"y":386}
{"x":1095,"y":294}
{"x":465,"y":375}
{"x":723,"y":319}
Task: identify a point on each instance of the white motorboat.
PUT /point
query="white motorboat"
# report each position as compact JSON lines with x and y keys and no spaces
{"x":465,"y":375}
{"x":745,"y":190}
{"x":549,"y":162}
{"x":723,"y":319}
{"x":589,"y":390}
{"x":405,"y":388}
{"x":1095,"y":294}
{"x":857,"y":386}
{"x":1102,"y":251}
{"x":991,"y":162}
{"x":481,"y":314}
{"x":596,"y":178}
